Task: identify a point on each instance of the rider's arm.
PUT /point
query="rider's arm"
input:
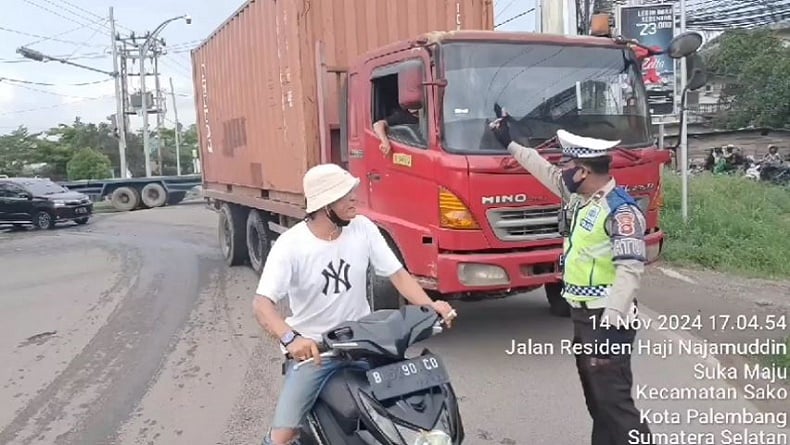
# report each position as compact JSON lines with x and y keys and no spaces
{"x":626,"y":228}
{"x":548,"y":175}
{"x":273,"y":287}
{"x":386,"y":264}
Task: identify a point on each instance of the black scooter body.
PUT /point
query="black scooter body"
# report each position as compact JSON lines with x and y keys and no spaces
{"x":341,"y":415}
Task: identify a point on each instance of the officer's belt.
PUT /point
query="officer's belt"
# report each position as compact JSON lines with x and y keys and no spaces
{"x":599,"y":296}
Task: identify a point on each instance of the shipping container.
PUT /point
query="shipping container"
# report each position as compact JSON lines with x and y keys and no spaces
{"x":256,"y":84}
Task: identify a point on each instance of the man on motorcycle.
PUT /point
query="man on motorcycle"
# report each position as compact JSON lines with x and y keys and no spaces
{"x":321,"y":265}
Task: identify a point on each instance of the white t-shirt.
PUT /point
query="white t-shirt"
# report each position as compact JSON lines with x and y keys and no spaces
{"x":325,"y":281}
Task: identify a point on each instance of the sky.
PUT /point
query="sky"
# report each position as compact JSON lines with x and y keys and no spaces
{"x":79,"y":31}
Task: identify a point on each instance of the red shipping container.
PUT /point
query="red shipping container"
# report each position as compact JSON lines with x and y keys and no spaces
{"x":256,"y":88}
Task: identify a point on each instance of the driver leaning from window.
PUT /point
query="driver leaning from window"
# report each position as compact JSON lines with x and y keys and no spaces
{"x":320,"y":265}
{"x":400,"y":116}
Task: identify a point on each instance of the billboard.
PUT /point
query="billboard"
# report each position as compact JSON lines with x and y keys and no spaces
{"x":653,"y":26}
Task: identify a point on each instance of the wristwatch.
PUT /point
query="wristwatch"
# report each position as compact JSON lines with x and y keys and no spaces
{"x":288,"y":338}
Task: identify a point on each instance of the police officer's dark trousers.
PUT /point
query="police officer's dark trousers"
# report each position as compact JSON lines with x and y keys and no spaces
{"x":607,"y":382}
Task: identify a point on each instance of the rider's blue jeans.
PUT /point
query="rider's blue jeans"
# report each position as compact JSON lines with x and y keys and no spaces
{"x":301,"y":389}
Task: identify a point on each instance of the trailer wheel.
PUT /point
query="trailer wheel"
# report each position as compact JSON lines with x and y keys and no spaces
{"x":232,"y":234}
{"x":125,"y":199}
{"x":153,"y":195}
{"x":557,"y":304}
{"x":258,"y":239}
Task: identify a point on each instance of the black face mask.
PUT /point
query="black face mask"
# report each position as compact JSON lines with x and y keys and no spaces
{"x":336,"y":219}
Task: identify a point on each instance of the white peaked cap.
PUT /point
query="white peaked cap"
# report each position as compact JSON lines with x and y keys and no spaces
{"x":576,"y":146}
{"x":325,"y":184}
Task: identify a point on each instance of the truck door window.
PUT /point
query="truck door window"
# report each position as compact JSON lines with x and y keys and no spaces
{"x":403,"y":125}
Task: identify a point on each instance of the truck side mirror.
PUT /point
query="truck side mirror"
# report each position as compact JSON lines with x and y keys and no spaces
{"x":695,"y":72}
{"x":685,"y":44}
{"x":410,"y":86}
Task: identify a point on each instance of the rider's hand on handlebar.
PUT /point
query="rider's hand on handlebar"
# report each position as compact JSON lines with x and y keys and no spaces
{"x":304,"y":348}
{"x":445,"y":310}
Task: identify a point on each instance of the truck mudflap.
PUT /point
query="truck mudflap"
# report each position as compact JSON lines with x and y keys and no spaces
{"x":511,"y":272}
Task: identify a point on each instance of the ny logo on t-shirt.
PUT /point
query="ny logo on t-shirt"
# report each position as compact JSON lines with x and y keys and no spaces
{"x":338,"y":275}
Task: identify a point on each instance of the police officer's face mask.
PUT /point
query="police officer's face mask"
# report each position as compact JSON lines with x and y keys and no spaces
{"x":570,"y":183}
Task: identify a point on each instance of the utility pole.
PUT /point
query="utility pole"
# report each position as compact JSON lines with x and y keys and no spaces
{"x":160,"y":107}
{"x":144,"y":110}
{"x":177,"y":131}
{"x":120,"y":110}
{"x":684,"y":202}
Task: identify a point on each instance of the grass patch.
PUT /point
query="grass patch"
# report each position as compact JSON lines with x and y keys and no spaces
{"x":734,"y":225}
{"x":781,"y":361}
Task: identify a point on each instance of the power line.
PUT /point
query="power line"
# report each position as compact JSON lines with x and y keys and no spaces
{"x":29,"y":110}
{"x":515,"y":17}
{"x":72,"y":42}
{"x":28,"y":82}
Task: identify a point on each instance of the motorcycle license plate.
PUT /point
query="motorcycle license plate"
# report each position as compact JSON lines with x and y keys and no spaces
{"x":407,"y":377}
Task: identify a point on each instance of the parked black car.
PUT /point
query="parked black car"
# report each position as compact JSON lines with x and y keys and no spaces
{"x":41,"y":202}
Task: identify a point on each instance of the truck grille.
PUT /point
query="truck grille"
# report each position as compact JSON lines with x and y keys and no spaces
{"x":525,"y":224}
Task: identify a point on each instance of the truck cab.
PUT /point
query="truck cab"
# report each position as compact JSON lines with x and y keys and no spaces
{"x":463,"y":216}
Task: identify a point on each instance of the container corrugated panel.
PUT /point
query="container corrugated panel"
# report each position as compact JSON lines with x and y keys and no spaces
{"x":255,"y":77}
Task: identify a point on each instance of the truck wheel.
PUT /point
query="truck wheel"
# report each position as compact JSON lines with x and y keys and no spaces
{"x":125,"y":199}
{"x":258,"y":239}
{"x":43,"y":220}
{"x":381,"y":293}
{"x":232,"y":234}
{"x":154,"y":195}
{"x":557,"y":305}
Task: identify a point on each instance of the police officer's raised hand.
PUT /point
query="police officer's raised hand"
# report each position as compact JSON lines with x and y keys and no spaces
{"x":500,"y":127}
{"x":302,"y":349}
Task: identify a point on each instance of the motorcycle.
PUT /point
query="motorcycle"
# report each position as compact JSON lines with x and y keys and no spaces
{"x":392,"y":400}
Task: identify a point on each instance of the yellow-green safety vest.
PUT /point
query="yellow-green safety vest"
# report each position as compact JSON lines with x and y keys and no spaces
{"x":588,"y":267}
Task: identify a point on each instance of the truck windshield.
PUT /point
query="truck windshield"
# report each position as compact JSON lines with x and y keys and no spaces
{"x":591,"y":91}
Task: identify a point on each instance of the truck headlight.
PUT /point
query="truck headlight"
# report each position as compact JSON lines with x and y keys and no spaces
{"x":474,"y":274}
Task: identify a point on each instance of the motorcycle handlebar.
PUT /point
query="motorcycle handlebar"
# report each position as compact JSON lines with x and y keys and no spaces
{"x":437,"y":329}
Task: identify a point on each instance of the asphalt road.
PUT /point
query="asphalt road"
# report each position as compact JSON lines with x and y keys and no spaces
{"x":131,"y":330}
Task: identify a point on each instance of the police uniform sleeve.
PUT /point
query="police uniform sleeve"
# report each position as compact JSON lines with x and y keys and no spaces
{"x":626,"y":229}
{"x":548,"y":175}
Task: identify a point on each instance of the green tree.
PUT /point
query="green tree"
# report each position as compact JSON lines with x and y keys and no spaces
{"x":88,"y":164}
{"x":754,"y":67}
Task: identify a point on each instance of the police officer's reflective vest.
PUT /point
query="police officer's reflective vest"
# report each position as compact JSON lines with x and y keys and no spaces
{"x":588,"y":268}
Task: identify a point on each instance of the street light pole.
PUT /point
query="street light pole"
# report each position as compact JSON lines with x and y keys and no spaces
{"x":684,"y":177}
{"x":144,"y":104}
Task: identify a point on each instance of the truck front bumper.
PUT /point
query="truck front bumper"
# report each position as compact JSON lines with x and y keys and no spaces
{"x":517,"y":271}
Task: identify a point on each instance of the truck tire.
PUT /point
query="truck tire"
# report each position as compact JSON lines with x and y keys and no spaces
{"x":125,"y":199}
{"x":381,"y":293}
{"x":557,"y":305}
{"x":232,"y":234}
{"x":258,"y":239}
{"x":153,"y":195}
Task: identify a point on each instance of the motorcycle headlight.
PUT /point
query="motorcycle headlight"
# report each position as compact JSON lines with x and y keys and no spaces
{"x":435,"y":437}
{"x":382,"y":422}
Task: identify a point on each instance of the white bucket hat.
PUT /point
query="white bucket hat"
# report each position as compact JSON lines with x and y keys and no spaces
{"x":325,"y":184}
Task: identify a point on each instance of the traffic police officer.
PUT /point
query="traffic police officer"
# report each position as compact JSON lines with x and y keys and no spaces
{"x":603,"y":259}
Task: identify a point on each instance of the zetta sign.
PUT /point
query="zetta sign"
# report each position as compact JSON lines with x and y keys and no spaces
{"x":408,"y":376}
{"x":654,"y":27}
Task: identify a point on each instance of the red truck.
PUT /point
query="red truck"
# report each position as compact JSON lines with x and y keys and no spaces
{"x":282,"y":86}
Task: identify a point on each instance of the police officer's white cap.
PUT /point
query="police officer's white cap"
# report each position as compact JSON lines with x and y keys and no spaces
{"x":575,"y":146}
